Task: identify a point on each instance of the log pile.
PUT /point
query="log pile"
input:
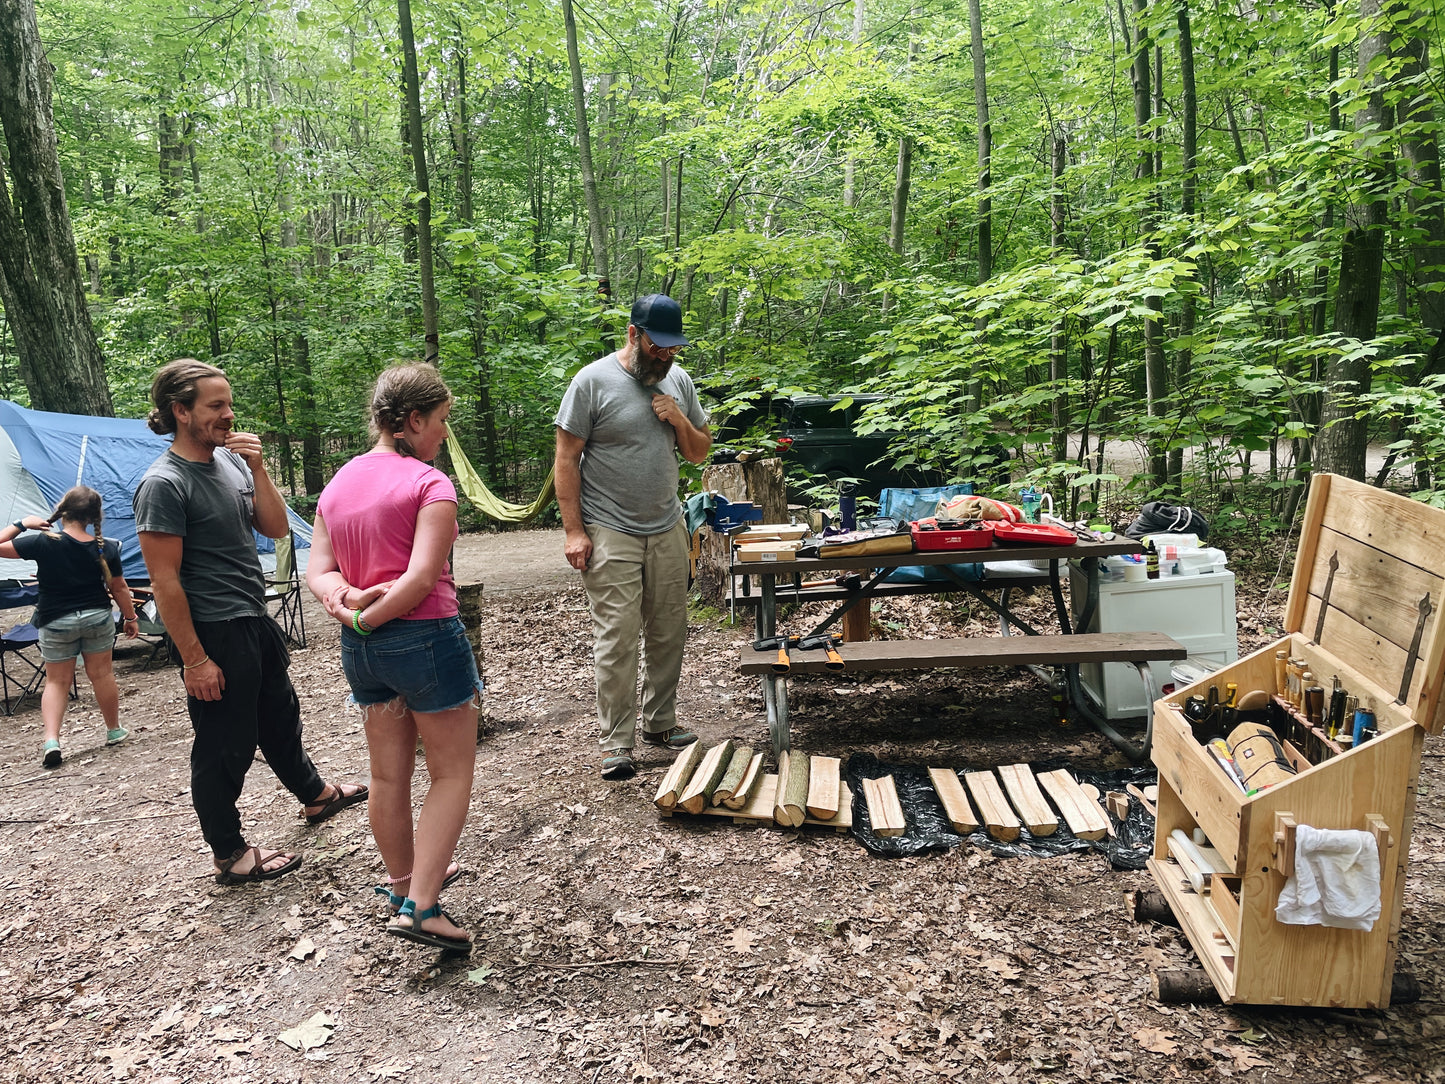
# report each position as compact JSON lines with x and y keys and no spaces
{"x":728,"y":780}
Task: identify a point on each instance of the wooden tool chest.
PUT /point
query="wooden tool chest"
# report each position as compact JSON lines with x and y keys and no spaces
{"x":1365,"y":604}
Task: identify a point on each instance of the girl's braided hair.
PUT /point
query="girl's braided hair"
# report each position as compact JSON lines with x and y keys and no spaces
{"x":398,"y":391}
{"x":82,"y":505}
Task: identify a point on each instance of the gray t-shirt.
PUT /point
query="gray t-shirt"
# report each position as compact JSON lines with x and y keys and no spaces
{"x":629,"y":464}
{"x":210,"y":506}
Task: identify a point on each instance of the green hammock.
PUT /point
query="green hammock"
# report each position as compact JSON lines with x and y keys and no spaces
{"x":487,"y":501}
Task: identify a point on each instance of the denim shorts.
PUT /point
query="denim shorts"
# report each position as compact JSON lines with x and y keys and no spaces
{"x":429,"y":662}
{"x":87,"y":632}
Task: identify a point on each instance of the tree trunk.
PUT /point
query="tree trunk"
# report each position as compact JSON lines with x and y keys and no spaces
{"x":416,"y":138}
{"x":1059,"y":342}
{"x":1188,"y":108}
{"x":850,"y":169}
{"x":985,"y":145}
{"x":596,"y":225}
{"x":760,"y":481}
{"x":40,"y":277}
{"x":1340,"y":445}
{"x":1155,"y":370}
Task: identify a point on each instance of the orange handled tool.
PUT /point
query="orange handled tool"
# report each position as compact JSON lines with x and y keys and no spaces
{"x":780,"y":664}
{"x":827,"y":641}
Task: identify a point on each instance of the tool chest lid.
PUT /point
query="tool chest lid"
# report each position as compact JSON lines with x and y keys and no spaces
{"x":1368,"y":582}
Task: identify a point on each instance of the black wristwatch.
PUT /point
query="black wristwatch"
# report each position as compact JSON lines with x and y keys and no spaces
{"x":19,"y":525}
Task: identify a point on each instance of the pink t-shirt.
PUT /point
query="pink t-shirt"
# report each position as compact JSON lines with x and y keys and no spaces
{"x":370,"y":508}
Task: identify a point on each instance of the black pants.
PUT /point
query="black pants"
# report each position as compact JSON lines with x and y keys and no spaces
{"x":258,"y":708}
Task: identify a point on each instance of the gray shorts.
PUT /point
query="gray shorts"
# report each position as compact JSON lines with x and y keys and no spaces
{"x":86,"y":632}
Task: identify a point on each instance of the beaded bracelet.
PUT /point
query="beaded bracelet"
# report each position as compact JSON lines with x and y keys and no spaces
{"x":361,"y":627}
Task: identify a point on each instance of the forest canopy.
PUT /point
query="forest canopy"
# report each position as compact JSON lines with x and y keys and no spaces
{"x":1215,"y":228}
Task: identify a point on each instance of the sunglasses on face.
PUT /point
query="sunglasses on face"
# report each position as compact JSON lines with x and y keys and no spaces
{"x":659,"y":351}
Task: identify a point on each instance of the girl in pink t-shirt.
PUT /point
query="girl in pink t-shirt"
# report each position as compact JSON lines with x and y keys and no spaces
{"x":384,"y":527}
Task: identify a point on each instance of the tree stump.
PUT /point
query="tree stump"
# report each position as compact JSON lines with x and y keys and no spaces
{"x":759,"y":481}
{"x":469,"y":606}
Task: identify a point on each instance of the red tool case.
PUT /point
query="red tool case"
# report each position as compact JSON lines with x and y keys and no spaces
{"x":928,"y":535}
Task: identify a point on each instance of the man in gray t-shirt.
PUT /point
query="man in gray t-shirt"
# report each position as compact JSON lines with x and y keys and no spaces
{"x":620,"y":427}
{"x":195,"y":510}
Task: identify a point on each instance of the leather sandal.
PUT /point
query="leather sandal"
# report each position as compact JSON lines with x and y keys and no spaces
{"x":407,"y":924}
{"x":257,"y":872}
{"x":335,"y":804}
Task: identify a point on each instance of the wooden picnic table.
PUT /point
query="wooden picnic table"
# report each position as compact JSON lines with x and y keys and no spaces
{"x":1007,"y":567}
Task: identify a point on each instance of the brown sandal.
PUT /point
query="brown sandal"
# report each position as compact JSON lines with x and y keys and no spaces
{"x":335,"y":804}
{"x":258,"y":871}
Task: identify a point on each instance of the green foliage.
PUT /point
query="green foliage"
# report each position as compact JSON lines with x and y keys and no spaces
{"x":276,"y":241}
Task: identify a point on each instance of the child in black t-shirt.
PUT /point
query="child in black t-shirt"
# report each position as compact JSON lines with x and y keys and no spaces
{"x":79,"y":574}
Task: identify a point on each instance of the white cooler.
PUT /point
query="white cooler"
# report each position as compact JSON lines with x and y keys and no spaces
{"x":1198,"y":611}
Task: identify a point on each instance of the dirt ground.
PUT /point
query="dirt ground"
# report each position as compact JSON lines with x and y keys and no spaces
{"x":614,"y":944}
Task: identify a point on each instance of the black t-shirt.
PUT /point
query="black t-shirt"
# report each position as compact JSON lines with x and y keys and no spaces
{"x":69,"y":573}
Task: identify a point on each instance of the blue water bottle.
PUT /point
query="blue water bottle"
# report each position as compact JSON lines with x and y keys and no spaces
{"x":848,"y":505}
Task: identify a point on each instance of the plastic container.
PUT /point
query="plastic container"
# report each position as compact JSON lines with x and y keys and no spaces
{"x":1194,"y":561}
{"x":928,"y":536}
{"x":1180,"y":541}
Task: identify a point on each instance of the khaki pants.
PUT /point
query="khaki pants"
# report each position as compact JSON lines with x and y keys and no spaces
{"x":636,"y":588}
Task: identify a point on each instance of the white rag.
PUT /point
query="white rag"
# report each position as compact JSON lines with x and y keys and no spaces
{"x":1336,"y":880}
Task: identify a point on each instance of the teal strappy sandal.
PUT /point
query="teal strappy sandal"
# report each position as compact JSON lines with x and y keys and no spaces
{"x":407,"y":924}
{"x":394,"y":902}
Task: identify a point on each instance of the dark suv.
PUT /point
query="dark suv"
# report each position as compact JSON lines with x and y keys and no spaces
{"x":817,"y":437}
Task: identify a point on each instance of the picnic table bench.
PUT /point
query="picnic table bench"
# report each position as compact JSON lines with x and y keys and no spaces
{"x":1067,"y":649}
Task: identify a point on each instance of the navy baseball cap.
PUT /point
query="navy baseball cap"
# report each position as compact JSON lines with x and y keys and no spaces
{"x":661,"y":317}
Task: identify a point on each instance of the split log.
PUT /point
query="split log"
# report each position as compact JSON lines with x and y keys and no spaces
{"x":885,"y":812}
{"x":993,"y":808}
{"x":678,"y":776}
{"x":790,"y":804}
{"x":1028,"y":800}
{"x":1118,"y":804}
{"x":823,"y":778}
{"x":744,"y":791}
{"x":737,"y":768}
{"x":1148,"y":905}
{"x":1083,"y":815}
{"x":1144,"y":799}
{"x":469,"y":609}
{"x":759,"y":481}
{"x":705,"y":780}
{"x":955,"y":802}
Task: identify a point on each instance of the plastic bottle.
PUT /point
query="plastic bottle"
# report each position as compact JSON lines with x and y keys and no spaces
{"x":1152,"y":556}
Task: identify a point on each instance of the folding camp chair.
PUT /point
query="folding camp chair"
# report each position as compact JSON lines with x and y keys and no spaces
{"x":150,"y":630}
{"x":21,"y":670}
{"x":283,"y":591}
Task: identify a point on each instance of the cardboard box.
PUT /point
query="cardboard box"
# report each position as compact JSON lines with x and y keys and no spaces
{"x":769,"y":551}
{"x":772,"y":532}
